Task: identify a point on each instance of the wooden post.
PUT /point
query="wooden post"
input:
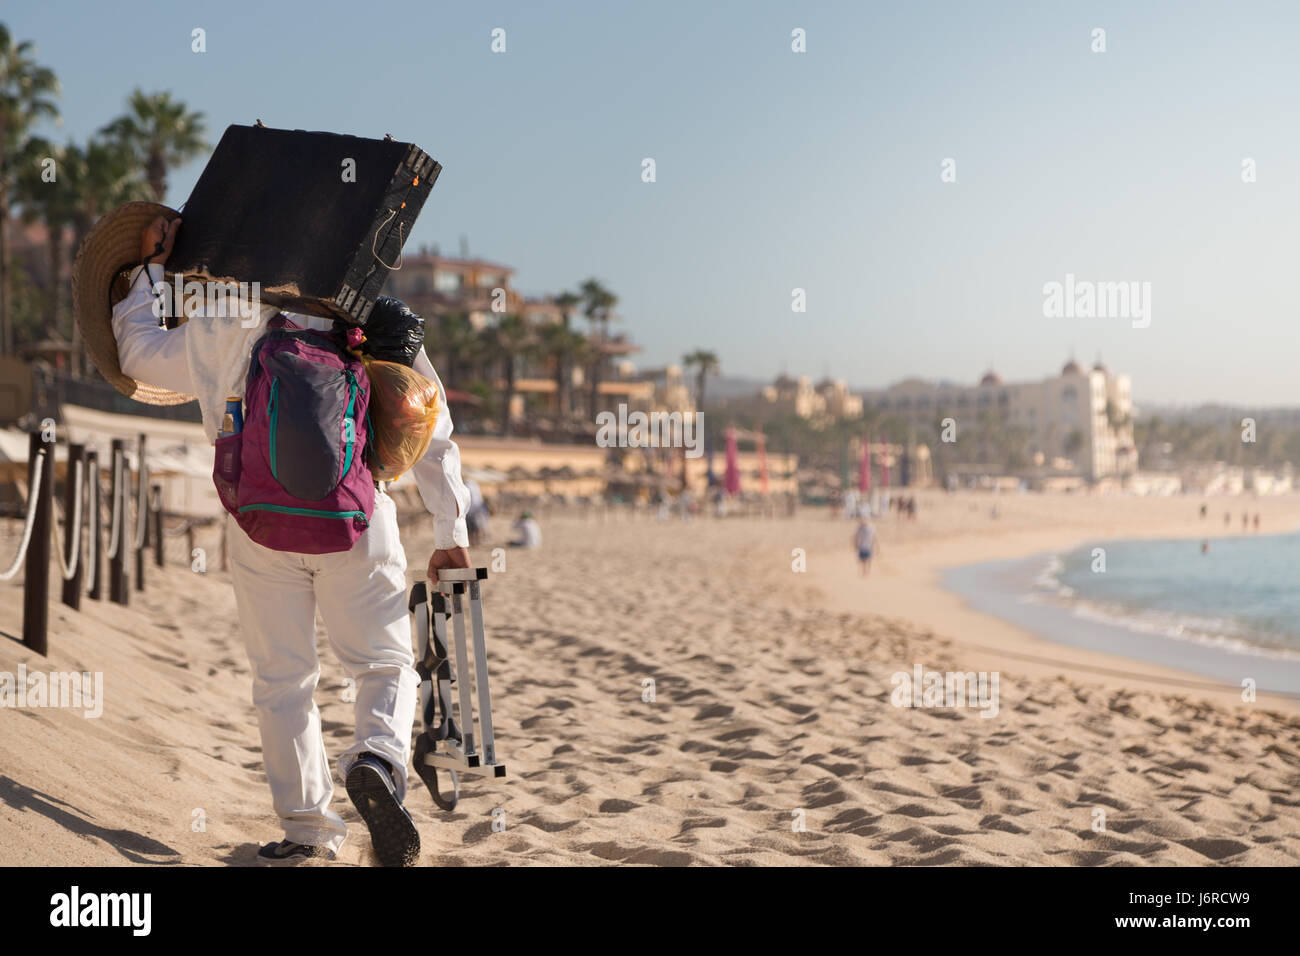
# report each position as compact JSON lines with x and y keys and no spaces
{"x":71,"y":490}
{"x":95,"y":528}
{"x":117,"y":584}
{"x":142,"y":514}
{"x":156,"y":530}
{"x":36,"y":579}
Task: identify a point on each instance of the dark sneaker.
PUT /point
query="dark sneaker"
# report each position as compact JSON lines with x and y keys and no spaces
{"x":392,"y":832}
{"x":288,"y":850}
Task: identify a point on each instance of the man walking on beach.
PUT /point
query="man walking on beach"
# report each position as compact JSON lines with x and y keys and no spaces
{"x":361,"y":593}
{"x":864,"y":539}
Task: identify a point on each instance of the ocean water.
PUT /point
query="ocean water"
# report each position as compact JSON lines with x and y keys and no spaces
{"x":1230,"y":614}
{"x":1242,"y":594}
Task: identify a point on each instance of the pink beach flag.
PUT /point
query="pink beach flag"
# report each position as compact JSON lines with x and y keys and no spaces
{"x":731,"y":480}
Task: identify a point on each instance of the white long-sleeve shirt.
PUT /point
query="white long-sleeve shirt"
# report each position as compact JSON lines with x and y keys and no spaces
{"x":208,"y":357}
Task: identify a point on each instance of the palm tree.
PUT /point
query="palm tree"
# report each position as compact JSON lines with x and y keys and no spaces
{"x":160,"y":133}
{"x":459,"y":344}
{"x":511,"y":339}
{"x":88,"y":182}
{"x":27,"y":92}
{"x":55,"y":204}
{"x":103,"y":178}
{"x":585,"y":353}
{"x":705,"y":363}
{"x":598,"y":306}
{"x":566,"y":302}
{"x":564,"y":348}
{"x":560,"y":344}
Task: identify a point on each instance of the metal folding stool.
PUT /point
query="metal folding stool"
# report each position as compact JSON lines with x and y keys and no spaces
{"x":448,"y":741}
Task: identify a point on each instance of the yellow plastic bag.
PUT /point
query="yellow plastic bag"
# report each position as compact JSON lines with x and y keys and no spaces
{"x":404,"y":408}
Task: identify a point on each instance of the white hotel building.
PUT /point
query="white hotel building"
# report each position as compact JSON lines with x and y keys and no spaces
{"x":1083,"y":416}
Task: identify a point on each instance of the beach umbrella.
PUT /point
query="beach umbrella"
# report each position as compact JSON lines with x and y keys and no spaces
{"x":762,"y":462}
{"x":14,"y":445}
{"x":731,"y":481}
{"x":484,"y":476}
{"x":13,"y":454}
{"x":864,"y":467}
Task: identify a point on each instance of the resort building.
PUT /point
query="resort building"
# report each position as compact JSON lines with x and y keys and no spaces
{"x":1083,"y":416}
{"x":670,"y":390}
{"x":828,"y":400}
{"x":434,"y":284}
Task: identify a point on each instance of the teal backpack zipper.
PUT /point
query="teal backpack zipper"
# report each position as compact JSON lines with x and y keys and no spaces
{"x":270,"y":414}
{"x":348,"y":415}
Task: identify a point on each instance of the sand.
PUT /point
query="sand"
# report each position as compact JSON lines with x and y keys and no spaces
{"x":771,"y":737}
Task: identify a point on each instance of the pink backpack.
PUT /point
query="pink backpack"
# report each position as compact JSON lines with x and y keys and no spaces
{"x":295,"y":477}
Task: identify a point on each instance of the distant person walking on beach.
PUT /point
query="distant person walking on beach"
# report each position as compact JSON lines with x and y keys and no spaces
{"x":864,"y":539}
{"x":360,"y":589}
{"x":478,"y":519}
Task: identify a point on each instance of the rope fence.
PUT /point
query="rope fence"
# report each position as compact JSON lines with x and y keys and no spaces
{"x":75,"y":528}
{"x":29,"y":522}
{"x":68,"y":556}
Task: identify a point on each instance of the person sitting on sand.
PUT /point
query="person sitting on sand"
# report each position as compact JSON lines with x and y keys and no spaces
{"x":529,"y":532}
{"x":361,"y":594}
{"x":864,"y":539}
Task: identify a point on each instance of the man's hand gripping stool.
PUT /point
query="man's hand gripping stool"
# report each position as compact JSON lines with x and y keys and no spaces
{"x":448,"y":742}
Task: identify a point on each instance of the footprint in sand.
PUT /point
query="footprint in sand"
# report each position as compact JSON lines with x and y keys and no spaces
{"x":714,"y":710}
{"x":615,"y":805}
{"x":1214,"y":849}
{"x":823,"y":793}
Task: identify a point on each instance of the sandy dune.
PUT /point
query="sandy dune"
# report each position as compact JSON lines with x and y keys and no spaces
{"x":772,"y":705}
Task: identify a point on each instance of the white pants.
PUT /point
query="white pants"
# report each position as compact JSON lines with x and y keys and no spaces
{"x":361,"y":594}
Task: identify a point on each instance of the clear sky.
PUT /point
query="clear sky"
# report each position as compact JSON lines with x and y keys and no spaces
{"x":819,"y":170}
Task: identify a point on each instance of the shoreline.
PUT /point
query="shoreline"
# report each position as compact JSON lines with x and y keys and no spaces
{"x":908,"y":579}
{"x":1005,"y":590}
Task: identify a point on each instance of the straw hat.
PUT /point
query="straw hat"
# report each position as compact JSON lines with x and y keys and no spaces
{"x":110,"y":250}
